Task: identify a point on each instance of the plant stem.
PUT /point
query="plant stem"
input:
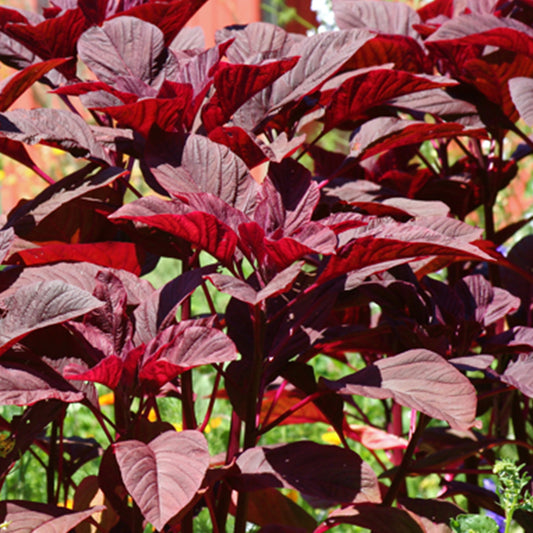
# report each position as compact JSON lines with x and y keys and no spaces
{"x":253,"y":406}
{"x":398,"y":479}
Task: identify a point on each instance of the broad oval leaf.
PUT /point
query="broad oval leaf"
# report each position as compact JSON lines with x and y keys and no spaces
{"x":163,"y":476}
{"x":39,"y":305}
{"x":337,"y":475}
{"x":419,"y":379}
{"x":521,"y":90}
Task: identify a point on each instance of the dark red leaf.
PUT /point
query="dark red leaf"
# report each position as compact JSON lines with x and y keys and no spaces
{"x":169,"y":17}
{"x":81,"y":88}
{"x":179,"y":348}
{"x":81,"y":275}
{"x":200,"y":229}
{"x":418,"y":379}
{"x":241,"y":290}
{"x":124,"y":255}
{"x":108,"y":372}
{"x":15,"y":85}
{"x":53,"y":38}
{"x":159,"y":310}
{"x":164,"y":475}
{"x":270,"y":507}
{"x":166,"y":113}
{"x":240,"y":142}
{"x":235,"y":84}
{"x":405,"y":52}
{"x":352,"y":102}
{"x":6,"y":239}
{"x":378,"y":518}
{"x":206,"y":167}
{"x":20,"y":386}
{"x":338,"y":475}
{"x":519,"y":374}
{"x":24,"y":218}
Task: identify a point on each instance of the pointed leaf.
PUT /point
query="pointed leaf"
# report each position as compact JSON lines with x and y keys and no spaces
{"x":177,"y":349}
{"x":17,"y":84}
{"x":53,"y":38}
{"x":519,"y":374}
{"x":164,"y":475}
{"x":166,"y":113}
{"x":81,"y":275}
{"x":169,"y":17}
{"x":354,"y":99}
{"x":39,"y":305}
{"x":6,"y":239}
{"x":241,"y":290}
{"x":23,"y":517}
{"x":378,"y":135}
{"x":124,"y":255}
{"x":235,"y":84}
{"x":23,"y":219}
{"x":55,"y":127}
{"x":378,"y":518}
{"x":108,"y":372}
{"x":200,"y":229}
{"x":418,"y":379}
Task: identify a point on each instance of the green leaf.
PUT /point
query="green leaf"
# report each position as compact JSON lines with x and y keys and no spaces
{"x":472,"y":523}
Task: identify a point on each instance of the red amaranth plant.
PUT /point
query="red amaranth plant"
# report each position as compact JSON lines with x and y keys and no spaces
{"x":357,"y":254}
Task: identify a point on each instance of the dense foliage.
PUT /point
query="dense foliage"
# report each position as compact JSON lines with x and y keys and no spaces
{"x":322,"y":182}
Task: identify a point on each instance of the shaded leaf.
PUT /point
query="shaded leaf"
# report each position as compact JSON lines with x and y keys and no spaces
{"x":339,"y":475}
{"x":164,"y":475}
{"x":378,"y":518}
{"x":159,"y":310}
{"x":269,"y":506}
{"x":81,"y":275}
{"x":24,"y":218}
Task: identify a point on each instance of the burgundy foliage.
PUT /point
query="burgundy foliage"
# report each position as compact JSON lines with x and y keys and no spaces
{"x":312,"y":192}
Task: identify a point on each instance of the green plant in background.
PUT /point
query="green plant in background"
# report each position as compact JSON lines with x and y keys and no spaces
{"x":510,"y":485}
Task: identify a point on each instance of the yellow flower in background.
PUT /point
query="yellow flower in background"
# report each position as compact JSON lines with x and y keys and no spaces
{"x":7,"y":443}
{"x":213,"y":424}
{"x":331,"y":437}
{"x":107,"y":399}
